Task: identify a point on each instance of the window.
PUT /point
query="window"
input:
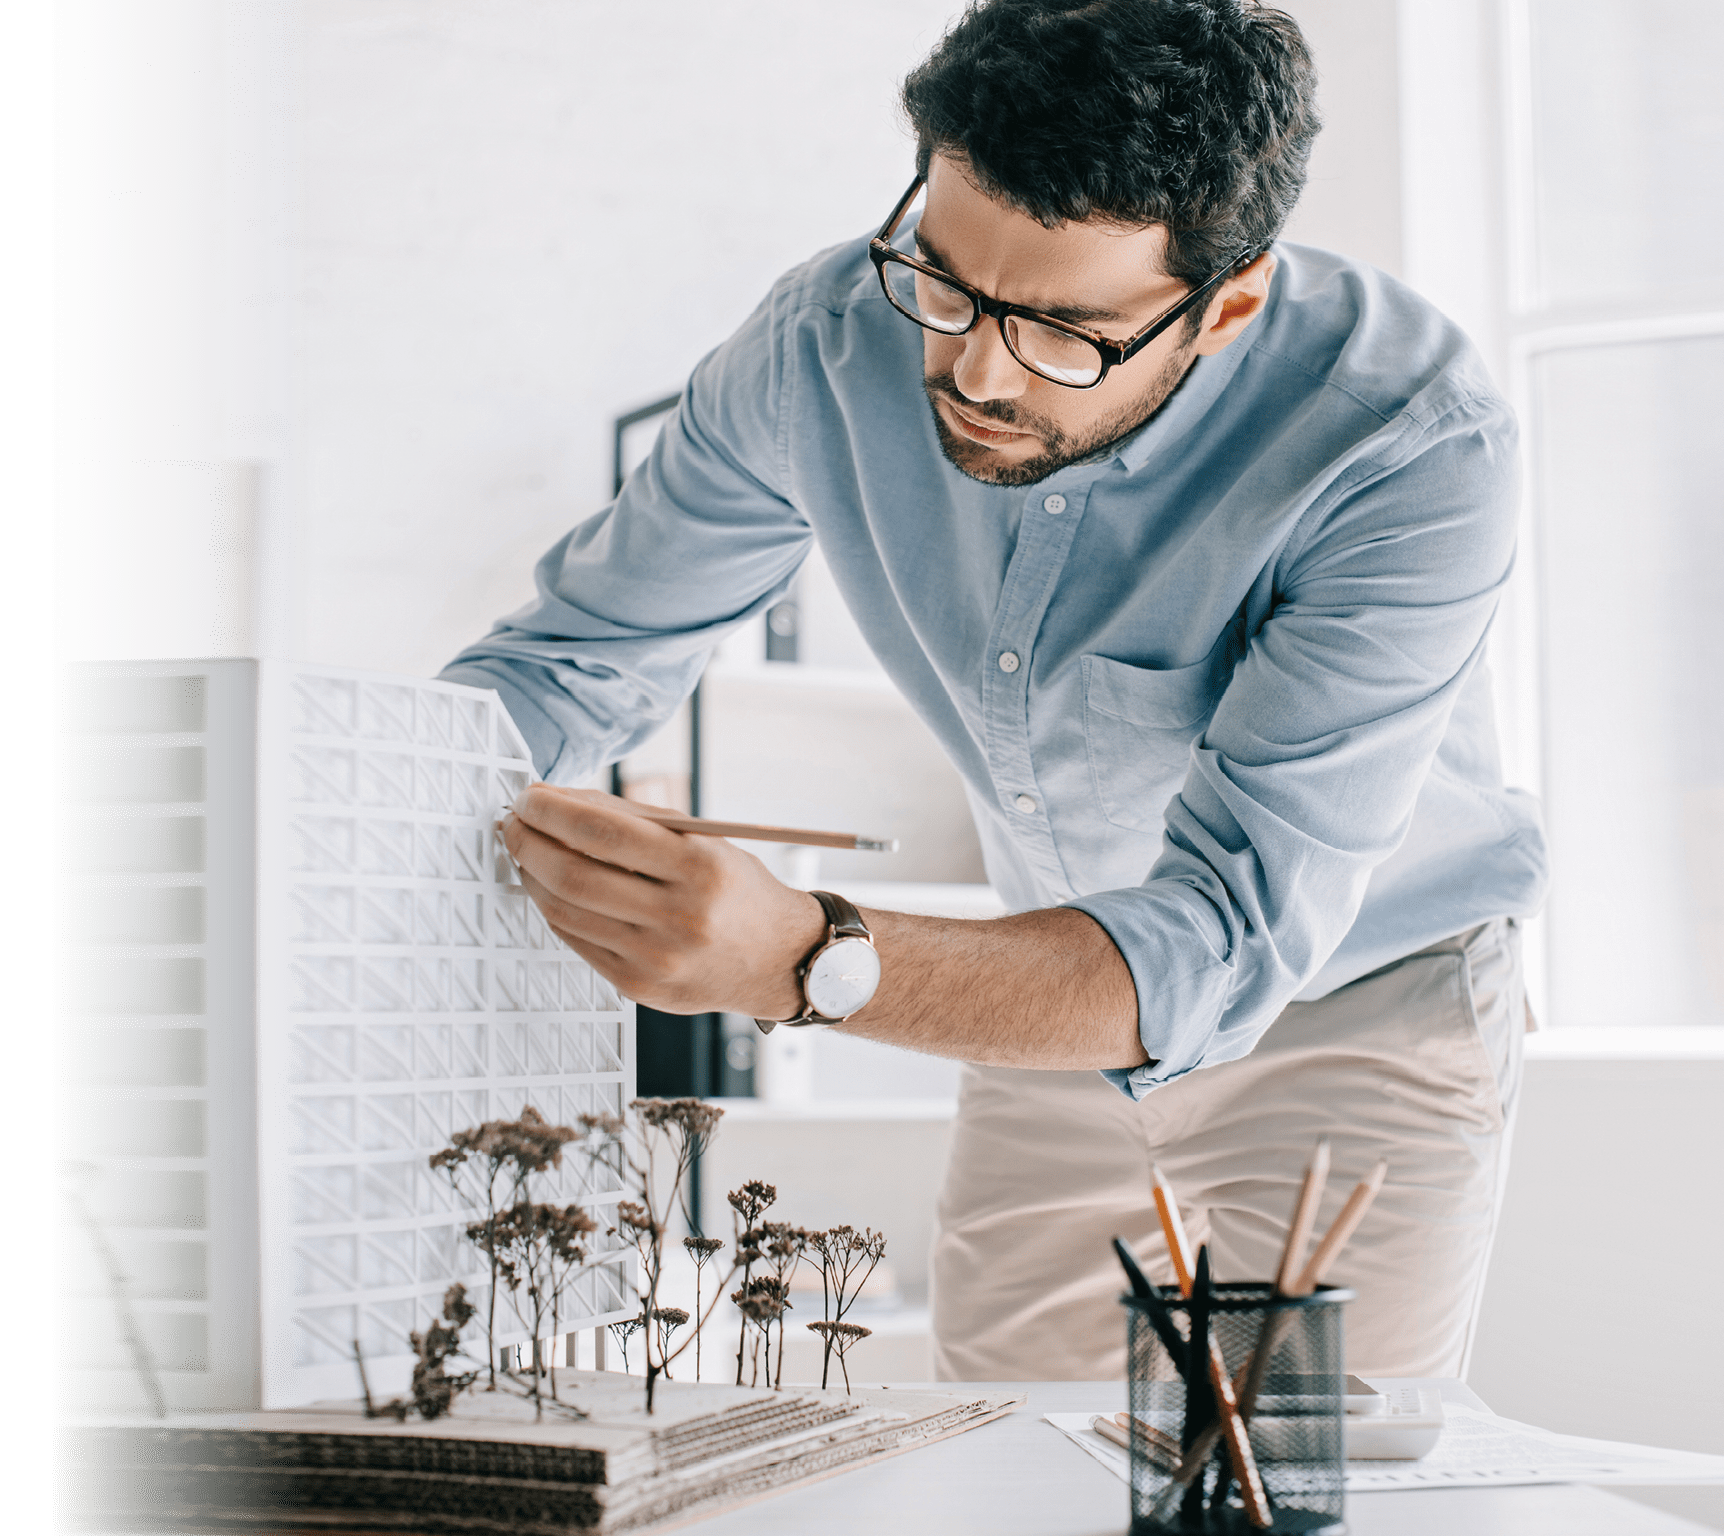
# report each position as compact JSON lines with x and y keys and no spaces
{"x":1615,"y":339}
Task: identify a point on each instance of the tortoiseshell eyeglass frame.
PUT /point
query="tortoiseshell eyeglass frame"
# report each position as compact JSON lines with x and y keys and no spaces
{"x":1112,"y":353}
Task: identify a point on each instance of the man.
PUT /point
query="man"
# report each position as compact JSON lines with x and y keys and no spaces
{"x":1185,"y":545}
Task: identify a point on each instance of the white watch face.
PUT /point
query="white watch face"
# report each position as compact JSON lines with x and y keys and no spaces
{"x":842,"y":977}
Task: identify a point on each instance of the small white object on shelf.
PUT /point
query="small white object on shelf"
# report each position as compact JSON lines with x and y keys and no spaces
{"x":301,"y":961}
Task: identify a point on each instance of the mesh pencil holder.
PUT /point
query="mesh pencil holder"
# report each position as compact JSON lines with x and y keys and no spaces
{"x":1183,"y":1477}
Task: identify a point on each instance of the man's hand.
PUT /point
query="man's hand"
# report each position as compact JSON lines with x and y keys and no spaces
{"x":677,"y":921}
{"x":689,"y":924}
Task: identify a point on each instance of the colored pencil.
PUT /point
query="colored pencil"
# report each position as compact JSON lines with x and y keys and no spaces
{"x":1232,"y":1424}
{"x":1329,"y":1249}
{"x":1304,"y":1216}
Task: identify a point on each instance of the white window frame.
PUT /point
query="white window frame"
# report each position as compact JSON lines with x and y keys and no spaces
{"x":1470,"y":241}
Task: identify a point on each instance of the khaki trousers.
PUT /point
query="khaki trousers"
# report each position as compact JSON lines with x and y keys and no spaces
{"x":1418,"y":1063}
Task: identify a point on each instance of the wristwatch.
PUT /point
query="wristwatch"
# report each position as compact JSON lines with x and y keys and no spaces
{"x":841,"y":972}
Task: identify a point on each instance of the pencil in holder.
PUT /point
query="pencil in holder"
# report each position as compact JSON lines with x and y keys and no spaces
{"x":1284,"y":1357}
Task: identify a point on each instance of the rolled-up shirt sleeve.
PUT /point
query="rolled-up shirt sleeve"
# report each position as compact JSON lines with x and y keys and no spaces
{"x":1304,"y":781}
{"x":631,"y":602}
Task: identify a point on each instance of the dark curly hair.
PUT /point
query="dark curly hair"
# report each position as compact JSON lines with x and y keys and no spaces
{"x":1193,"y":114}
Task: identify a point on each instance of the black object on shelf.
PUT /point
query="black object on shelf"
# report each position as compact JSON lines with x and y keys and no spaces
{"x":680,"y":1055}
{"x":691,"y":1056}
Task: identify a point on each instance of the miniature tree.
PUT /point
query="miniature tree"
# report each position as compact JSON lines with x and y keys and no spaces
{"x":669,"y":1319}
{"x":784,"y":1248}
{"x":669,"y":1135}
{"x":839,"y":1337}
{"x":539,"y":1247}
{"x":761,"y":1301}
{"x":488,"y":1167}
{"x":701,"y":1249}
{"x":846,"y":1258}
{"x":433,"y":1388}
{"x":748,"y":1203}
{"x":624,"y":1331}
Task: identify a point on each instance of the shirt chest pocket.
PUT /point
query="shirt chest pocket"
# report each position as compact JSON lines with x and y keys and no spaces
{"x":1139,"y":724}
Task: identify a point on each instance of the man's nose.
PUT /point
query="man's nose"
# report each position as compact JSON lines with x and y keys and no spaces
{"x":987,"y":370}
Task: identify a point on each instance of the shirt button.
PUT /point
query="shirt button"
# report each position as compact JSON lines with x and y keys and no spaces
{"x":1026,"y":804}
{"x":1055,"y":503}
{"x":1008,"y":661}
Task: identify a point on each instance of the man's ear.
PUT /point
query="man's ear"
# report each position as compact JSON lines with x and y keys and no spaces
{"x":1239,"y":302}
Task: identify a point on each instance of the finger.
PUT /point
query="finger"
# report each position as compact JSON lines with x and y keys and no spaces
{"x":612,"y":966}
{"x":596,"y":825}
{"x":633,"y":980}
{"x":571,"y":877}
{"x":586,"y":923}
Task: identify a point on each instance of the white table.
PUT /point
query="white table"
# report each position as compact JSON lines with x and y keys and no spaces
{"x":1021,"y":1477}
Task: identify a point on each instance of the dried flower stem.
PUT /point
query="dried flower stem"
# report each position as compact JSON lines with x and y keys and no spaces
{"x":78,"y":1174}
{"x":847,"y":1259}
{"x":700,"y":1249}
{"x":748,"y":1203}
{"x":474,"y":1162}
{"x":676,"y":1130}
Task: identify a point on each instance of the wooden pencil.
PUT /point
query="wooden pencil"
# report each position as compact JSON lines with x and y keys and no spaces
{"x":1248,"y":1382}
{"x":1352,"y":1213}
{"x":1172,"y":1228}
{"x":1232,"y":1424}
{"x":751,"y":832}
{"x":1304,"y":1216}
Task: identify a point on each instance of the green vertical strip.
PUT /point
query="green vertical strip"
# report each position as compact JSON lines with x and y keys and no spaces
{"x":26,"y":755}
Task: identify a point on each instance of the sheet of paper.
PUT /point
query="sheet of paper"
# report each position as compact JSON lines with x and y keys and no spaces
{"x":1480,"y":1450}
{"x":1477,"y":1450}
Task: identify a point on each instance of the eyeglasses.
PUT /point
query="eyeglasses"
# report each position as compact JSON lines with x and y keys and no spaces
{"x":1055,"y":350}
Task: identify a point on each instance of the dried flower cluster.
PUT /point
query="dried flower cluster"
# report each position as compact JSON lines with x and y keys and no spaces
{"x":657,"y":1160}
{"x":839,"y":1337}
{"x":846,"y":1259}
{"x":749,"y":1202}
{"x":433,"y":1388}
{"x":624,"y":1331}
{"x":534,"y":1248}
{"x":701,"y":1250}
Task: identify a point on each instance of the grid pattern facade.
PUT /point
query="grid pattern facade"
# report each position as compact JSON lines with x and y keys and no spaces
{"x":402,"y":986}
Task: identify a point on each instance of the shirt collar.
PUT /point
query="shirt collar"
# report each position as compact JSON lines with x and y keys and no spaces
{"x":1186,"y":407}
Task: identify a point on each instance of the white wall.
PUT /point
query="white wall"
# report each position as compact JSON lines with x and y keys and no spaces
{"x":391,"y":266}
{"x":354,"y":287}
{"x":1352,"y":201}
{"x":1600,"y":1316}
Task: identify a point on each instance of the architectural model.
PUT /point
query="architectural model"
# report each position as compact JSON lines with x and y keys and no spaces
{"x":301,"y":961}
{"x":487,"y":1467}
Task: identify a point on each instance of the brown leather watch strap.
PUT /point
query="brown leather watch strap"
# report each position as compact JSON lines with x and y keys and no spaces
{"x":846,"y":921}
{"x":843,"y":922}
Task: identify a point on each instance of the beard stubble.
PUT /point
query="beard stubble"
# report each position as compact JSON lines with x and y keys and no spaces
{"x":1059,"y":448}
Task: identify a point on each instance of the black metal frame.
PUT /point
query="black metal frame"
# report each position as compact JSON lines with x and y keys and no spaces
{"x":676,"y":1055}
{"x":1112,"y":353}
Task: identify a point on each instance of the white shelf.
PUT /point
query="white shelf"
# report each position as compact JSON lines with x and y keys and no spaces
{"x":793,"y":676}
{"x":927,"y":898}
{"x":840,"y":1109}
{"x":1627,"y":1042}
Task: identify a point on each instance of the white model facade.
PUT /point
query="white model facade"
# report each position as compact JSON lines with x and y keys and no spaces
{"x":300,"y":961}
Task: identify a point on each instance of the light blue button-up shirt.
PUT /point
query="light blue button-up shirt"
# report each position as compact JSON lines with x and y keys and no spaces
{"x":1220,"y":688}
